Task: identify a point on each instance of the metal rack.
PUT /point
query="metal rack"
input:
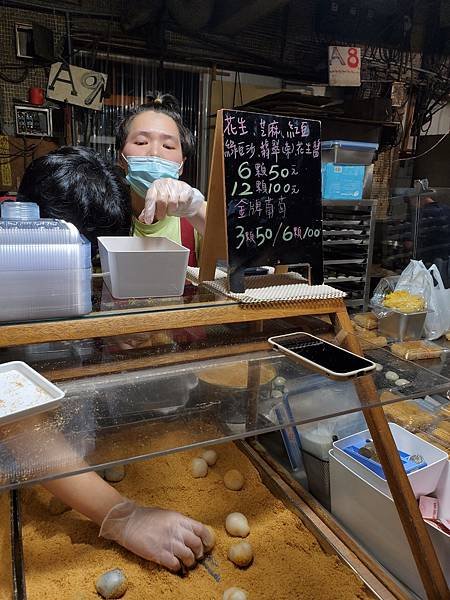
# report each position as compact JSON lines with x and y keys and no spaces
{"x":348,"y":235}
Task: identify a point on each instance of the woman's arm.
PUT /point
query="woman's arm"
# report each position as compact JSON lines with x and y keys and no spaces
{"x":86,"y":493}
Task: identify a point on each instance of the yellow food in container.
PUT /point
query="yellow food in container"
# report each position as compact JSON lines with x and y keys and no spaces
{"x":404,"y":301}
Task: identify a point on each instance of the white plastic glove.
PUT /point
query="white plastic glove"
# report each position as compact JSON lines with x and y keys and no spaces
{"x":163,"y":536}
{"x":170,"y":197}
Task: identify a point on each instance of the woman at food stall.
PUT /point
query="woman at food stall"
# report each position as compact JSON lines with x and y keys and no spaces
{"x":154,"y":144}
{"x":76,"y":185}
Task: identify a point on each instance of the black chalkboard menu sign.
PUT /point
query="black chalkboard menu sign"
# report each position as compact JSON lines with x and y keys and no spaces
{"x":272,"y":175}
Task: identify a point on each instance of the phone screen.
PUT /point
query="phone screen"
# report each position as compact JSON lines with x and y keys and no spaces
{"x":326,"y":355}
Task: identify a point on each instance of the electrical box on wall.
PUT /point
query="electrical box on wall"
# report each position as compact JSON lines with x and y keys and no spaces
{"x":34,"y":41}
{"x":33,"y":121}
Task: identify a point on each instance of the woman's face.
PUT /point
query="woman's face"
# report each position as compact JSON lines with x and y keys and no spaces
{"x":154,"y":134}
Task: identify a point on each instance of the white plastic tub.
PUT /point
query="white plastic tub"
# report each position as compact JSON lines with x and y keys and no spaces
{"x":423,"y":481}
{"x":143,"y":267}
{"x":371,"y":517}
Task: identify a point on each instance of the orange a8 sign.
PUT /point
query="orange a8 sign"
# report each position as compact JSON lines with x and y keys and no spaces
{"x":344,"y":65}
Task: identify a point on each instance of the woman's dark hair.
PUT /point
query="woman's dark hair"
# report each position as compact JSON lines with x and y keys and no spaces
{"x":162,"y":103}
{"x":76,"y":184}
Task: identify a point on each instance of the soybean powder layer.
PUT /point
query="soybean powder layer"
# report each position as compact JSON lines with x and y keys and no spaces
{"x":64,"y":555}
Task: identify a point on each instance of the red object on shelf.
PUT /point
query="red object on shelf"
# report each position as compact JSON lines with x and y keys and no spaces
{"x":36,"y":96}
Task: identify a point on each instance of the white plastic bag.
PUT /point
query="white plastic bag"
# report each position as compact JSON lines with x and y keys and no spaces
{"x":416,"y":279}
{"x":438,"y":303}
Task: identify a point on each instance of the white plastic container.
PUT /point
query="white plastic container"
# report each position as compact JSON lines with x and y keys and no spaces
{"x":143,"y":267}
{"x":25,"y":392}
{"x":371,"y":517}
{"x":423,"y":481}
{"x":45,"y":266}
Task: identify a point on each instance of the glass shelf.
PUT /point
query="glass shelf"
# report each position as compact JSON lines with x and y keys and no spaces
{"x":104,"y":305}
{"x":122,"y":417}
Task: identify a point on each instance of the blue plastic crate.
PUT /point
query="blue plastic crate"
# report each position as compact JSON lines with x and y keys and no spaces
{"x":342,"y":182}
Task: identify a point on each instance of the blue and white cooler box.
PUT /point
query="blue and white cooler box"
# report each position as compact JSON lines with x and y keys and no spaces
{"x":344,"y":165}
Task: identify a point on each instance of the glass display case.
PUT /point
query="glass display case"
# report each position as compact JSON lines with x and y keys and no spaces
{"x":416,"y":226}
{"x":115,"y":418}
{"x":208,"y":378}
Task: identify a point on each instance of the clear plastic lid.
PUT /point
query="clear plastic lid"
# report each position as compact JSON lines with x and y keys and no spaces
{"x":348,"y":145}
{"x":29,"y":243}
{"x":20,"y":211}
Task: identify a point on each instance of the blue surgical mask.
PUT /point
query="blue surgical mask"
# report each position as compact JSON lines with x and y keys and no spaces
{"x":144,"y":170}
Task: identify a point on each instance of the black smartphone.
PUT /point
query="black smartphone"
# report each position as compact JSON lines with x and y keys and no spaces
{"x":316,"y":354}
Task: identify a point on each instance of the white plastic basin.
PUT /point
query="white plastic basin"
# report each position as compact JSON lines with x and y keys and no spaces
{"x":143,"y":267}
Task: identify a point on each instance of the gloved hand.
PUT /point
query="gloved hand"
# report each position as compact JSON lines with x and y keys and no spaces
{"x":163,"y":536}
{"x":170,"y":197}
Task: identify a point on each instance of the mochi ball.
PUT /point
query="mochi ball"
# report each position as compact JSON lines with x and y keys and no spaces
{"x":210,"y":456}
{"x":237,"y":525}
{"x":199,"y":467}
{"x":115,"y":474}
{"x":234,"y":480}
{"x":241,"y":554}
{"x":235,"y":593}
{"x":391,"y":376}
{"x":112,"y":584}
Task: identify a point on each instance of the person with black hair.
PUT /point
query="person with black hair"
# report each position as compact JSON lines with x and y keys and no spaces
{"x":154,"y":143}
{"x":76,"y":184}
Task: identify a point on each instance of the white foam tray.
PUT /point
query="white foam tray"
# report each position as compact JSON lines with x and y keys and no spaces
{"x":23,"y":392}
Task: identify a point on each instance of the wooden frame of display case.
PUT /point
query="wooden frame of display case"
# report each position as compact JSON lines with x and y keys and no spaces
{"x":420,"y":543}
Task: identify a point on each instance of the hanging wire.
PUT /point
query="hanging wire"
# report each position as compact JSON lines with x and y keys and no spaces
{"x":424,"y":153}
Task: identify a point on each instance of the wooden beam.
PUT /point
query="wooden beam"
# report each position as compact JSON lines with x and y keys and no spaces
{"x":135,"y":322}
{"x":407,"y":507}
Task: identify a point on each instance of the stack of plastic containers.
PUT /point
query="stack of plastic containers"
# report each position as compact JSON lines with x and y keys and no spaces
{"x":45,"y":266}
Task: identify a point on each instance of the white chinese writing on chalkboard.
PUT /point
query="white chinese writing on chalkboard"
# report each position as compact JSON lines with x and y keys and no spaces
{"x":272,"y":181}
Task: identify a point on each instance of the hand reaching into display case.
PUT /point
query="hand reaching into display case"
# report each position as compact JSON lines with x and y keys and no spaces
{"x":162,"y":536}
{"x":165,"y":537}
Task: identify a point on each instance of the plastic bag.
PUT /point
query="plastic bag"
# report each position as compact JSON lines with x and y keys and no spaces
{"x":414,"y":279}
{"x":437,"y":321}
{"x":417,"y":279}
